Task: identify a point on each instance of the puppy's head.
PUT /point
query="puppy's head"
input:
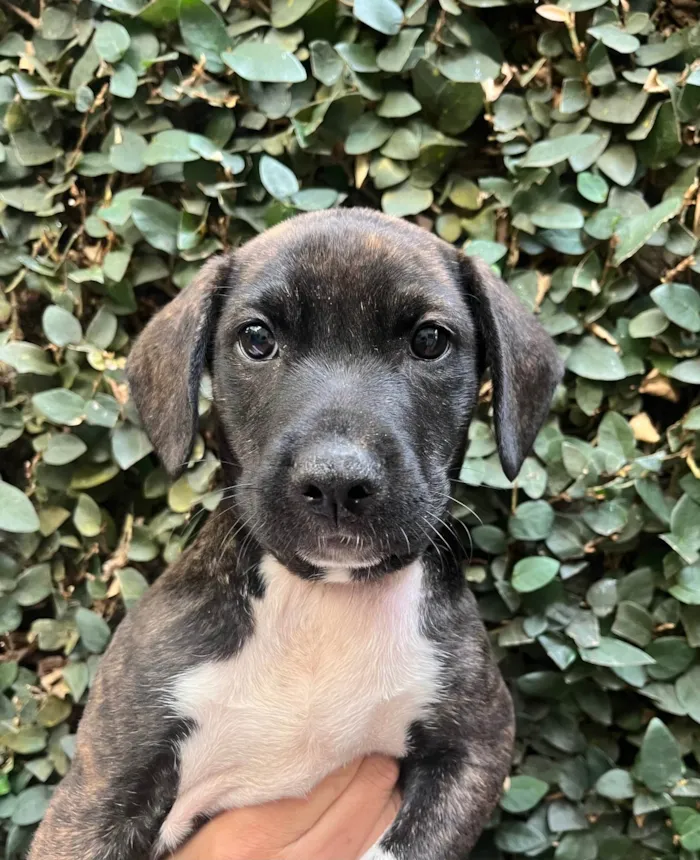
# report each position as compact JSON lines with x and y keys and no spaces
{"x":346,"y":349}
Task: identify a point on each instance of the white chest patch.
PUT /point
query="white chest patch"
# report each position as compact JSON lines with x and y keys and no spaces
{"x":331,"y":672}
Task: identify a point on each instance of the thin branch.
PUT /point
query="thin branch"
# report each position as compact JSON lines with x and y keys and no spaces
{"x":25,"y":16}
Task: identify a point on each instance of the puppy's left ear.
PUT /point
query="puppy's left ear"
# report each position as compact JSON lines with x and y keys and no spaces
{"x":525,"y":365}
{"x":167,"y":361}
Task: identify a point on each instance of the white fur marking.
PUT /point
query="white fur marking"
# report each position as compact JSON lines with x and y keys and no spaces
{"x":377,"y":853}
{"x":330,"y":673}
{"x":337,"y":574}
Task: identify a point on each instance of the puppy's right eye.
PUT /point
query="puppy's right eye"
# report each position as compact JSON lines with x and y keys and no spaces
{"x":257,"y":341}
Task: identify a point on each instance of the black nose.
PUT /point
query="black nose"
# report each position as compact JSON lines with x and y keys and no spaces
{"x":337,"y":478}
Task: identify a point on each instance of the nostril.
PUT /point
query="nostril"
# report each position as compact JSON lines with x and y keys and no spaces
{"x":359,"y":492}
{"x":312,"y":493}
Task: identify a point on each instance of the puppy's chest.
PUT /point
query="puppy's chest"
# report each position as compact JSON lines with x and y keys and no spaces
{"x":331,"y":672}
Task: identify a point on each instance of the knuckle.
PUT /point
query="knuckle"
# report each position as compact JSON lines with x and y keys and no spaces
{"x":381,"y":772}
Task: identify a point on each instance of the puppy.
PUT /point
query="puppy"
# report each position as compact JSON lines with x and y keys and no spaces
{"x":318,"y":616}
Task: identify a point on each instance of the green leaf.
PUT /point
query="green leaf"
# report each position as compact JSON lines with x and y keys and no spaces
{"x":620,"y":103}
{"x":633,"y":623}
{"x":358,"y":57}
{"x":607,"y":518}
{"x":636,"y":231}
{"x":127,"y":153}
{"x":34,"y":585}
{"x":546,"y":153}
{"x":158,"y":222}
{"x":406,"y":200}
{"x":687,"y":371}
{"x":368,"y":132}
{"x":203,"y":32}
{"x":619,"y":163}
{"x":60,"y":326}
{"x":397,"y":104}
{"x":688,"y":692}
{"x":489,"y":252}
{"x":94,"y":630}
{"x":111,"y":41}
{"x":124,"y":81}
{"x":31,"y":805}
{"x":648,"y":323}
{"x":519,"y":837}
{"x":102,"y":328}
{"x":284,"y":13}
{"x":326,"y":65}
{"x":577,"y":846}
{"x":404,"y":144}
{"x":76,"y":676}
{"x":33,"y":149}
{"x":277,"y":179}
{"x":132,"y":584}
{"x":685,"y":520}
{"x":87,"y":516}
{"x":663,"y":142}
{"x":10,"y":615}
{"x":480,"y":61}
{"x":660,"y":763}
{"x":170,"y":145}
{"x":615,"y":38}
{"x":27,"y":358}
{"x":613,"y":652}
{"x":616,"y":784}
{"x":557,"y":216}
{"x":64,"y":448}
{"x":102,"y":411}
{"x":531,"y":521}
{"x":312,"y":199}
{"x":687,"y":823}
{"x":509,"y":112}
{"x":592,"y":187}
{"x":530,"y":574}
{"x":255,"y":61}
{"x":616,"y":439}
{"x":396,"y":54}
{"x":60,"y":405}
{"x":593,"y":359}
{"x":523,"y":794}
{"x":680,"y":303}
{"x":129,"y":445}
{"x":385,"y":16}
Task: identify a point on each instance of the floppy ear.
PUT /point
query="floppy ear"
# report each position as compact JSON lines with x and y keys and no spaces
{"x":525,"y":365}
{"x":166,"y":364}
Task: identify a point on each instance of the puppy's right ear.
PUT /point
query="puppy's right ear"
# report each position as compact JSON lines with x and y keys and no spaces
{"x":166,"y":364}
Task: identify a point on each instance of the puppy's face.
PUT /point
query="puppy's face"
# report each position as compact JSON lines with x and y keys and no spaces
{"x":346,"y":349}
{"x":345,"y":370}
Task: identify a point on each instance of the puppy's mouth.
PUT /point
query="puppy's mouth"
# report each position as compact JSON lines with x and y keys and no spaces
{"x":340,"y":551}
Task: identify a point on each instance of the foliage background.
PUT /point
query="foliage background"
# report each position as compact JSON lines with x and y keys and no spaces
{"x":559,"y":142}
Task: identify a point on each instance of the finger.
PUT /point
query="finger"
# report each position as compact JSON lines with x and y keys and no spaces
{"x":384,"y":821}
{"x":262,"y":831}
{"x":354,"y":818}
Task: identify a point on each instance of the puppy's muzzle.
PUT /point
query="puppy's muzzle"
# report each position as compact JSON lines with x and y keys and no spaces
{"x":337,"y":479}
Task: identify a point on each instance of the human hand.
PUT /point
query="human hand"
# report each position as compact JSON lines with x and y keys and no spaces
{"x":339,"y":820}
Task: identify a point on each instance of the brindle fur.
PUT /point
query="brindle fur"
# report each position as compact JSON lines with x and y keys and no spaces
{"x":124,"y":775}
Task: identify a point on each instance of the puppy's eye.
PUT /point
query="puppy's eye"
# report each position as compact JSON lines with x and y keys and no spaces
{"x":430,"y":341}
{"x":257,"y":341}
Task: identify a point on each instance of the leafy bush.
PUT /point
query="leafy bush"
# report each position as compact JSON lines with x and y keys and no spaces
{"x":559,"y":143}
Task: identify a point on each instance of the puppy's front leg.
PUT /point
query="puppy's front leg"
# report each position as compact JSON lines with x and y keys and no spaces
{"x":451,"y":787}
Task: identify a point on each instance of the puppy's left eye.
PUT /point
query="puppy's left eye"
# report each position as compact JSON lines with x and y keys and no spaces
{"x":257,"y":341}
{"x":430,"y":341}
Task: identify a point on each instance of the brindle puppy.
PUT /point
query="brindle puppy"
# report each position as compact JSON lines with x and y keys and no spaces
{"x":316,"y":618}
